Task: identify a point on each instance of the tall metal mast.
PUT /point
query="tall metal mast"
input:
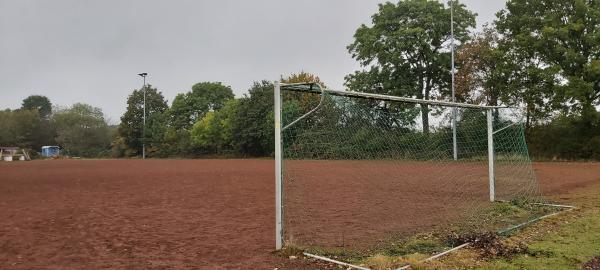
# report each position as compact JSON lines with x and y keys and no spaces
{"x":453,"y":71}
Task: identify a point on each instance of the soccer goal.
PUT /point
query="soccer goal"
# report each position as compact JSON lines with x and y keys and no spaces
{"x":360,"y":170}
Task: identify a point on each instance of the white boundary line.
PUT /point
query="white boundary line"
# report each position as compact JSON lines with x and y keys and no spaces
{"x":446,"y":252}
{"x":437,"y":255}
{"x":334,"y":261}
{"x":556,"y":205}
{"x":568,"y":208}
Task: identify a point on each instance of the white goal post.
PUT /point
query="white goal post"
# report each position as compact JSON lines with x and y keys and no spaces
{"x":319,"y":90}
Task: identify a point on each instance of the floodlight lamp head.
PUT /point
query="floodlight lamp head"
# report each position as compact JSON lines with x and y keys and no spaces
{"x":143,"y":74}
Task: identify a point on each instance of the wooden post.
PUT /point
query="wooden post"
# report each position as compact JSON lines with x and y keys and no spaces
{"x":26,"y":155}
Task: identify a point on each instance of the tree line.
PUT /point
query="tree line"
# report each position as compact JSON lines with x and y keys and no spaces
{"x":206,"y":121}
{"x":80,"y":129}
{"x":541,"y":56}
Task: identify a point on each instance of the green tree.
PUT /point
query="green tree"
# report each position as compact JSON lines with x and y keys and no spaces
{"x":405,"y":52}
{"x":253,"y":127}
{"x":156,"y":129}
{"x":40,"y":103}
{"x":529,"y":84}
{"x":119,"y":148}
{"x":206,"y":133}
{"x":192,"y":106}
{"x":480,"y":74}
{"x":566,"y":137}
{"x":24,"y":128}
{"x":82,"y":131}
{"x":131,"y":129}
{"x":214,"y":132}
{"x":6,"y":134}
{"x":492,"y":71}
{"x":178,"y":143}
{"x":252,"y":120}
{"x":563,"y":38}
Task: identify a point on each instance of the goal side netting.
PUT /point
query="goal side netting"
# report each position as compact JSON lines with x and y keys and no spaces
{"x":358,"y":171}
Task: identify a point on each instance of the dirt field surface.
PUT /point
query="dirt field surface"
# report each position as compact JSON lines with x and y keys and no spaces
{"x":593,"y":264}
{"x":166,"y":214}
{"x":365,"y":203}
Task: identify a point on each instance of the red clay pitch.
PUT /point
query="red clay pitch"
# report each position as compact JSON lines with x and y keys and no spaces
{"x":161,"y":214}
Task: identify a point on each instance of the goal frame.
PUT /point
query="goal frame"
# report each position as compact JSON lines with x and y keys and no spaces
{"x":316,"y":88}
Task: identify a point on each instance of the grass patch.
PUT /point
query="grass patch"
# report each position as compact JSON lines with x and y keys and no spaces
{"x":554,"y":249}
{"x":411,"y":251}
{"x":565,"y":241}
{"x":380,"y":261}
{"x":418,"y":244}
{"x":290,"y":250}
{"x":569,"y":246}
{"x":341,"y":254}
{"x":498,"y":216}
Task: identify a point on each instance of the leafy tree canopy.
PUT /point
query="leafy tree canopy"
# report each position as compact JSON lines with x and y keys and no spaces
{"x":477,"y":62}
{"x":40,"y":103}
{"x":563,"y":38}
{"x":405,"y":52}
{"x":81,"y":130}
{"x":24,"y":128}
{"x":187,"y":108}
{"x":253,"y":127}
{"x":215,"y":130}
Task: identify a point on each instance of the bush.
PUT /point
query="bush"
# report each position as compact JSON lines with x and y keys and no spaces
{"x":567,"y":138}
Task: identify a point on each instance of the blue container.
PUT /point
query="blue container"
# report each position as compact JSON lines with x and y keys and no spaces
{"x":50,"y":151}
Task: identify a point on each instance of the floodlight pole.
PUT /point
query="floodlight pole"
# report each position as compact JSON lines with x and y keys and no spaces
{"x":143,"y":75}
{"x":278,"y":175}
{"x":453,"y":71}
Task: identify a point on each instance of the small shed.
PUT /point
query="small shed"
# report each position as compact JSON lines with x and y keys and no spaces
{"x":50,"y":151}
{"x":13,"y":153}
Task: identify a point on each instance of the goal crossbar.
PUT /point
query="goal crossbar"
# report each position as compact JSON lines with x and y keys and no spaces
{"x":318,"y":89}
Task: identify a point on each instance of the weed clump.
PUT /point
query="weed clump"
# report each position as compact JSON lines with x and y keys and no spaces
{"x":291,"y":251}
{"x":491,"y":245}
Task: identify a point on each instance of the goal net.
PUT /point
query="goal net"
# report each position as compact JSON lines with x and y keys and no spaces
{"x":360,"y":171}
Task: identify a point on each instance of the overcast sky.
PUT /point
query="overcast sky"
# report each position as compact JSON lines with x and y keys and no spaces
{"x":90,"y":51}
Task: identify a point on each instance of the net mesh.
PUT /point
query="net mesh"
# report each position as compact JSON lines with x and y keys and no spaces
{"x":361,"y":173}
